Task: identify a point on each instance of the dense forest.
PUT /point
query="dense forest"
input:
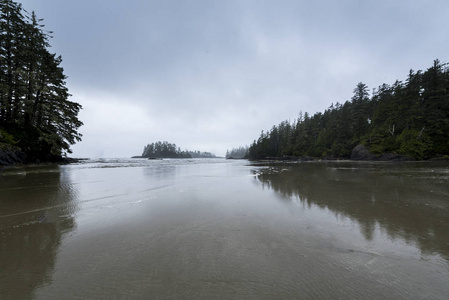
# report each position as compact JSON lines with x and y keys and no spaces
{"x":36,"y":117}
{"x":168,"y":150}
{"x":240,"y":152}
{"x":409,"y":118}
{"x":199,"y":154}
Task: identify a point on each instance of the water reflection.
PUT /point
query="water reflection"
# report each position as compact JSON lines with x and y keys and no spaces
{"x":37,"y":207}
{"x":408,"y":201}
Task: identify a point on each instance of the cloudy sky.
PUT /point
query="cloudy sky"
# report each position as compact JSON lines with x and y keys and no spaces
{"x":210,"y":75}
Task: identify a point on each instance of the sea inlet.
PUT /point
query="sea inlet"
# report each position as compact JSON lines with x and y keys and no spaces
{"x":225,"y":229}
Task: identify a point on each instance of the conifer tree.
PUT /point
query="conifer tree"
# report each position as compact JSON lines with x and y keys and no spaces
{"x":410,"y":118}
{"x":34,"y":100}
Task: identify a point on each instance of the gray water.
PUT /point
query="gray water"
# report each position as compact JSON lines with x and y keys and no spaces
{"x":217,"y":229}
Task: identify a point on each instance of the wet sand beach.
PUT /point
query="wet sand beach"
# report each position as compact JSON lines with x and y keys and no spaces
{"x":217,"y":229}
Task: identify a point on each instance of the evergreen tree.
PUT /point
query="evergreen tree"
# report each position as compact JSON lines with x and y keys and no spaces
{"x":241,"y":152}
{"x":168,"y":150}
{"x":410,"y":118}
{"x":435,"y":101}
{"x":34,"y":105}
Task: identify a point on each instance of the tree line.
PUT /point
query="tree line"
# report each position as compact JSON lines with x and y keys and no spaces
{"x":35,"y":112}
{"x":240,"y":152}
{"x":409,"y":118}
{"x":168,"y":150}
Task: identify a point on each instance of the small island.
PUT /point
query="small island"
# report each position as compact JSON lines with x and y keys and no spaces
{"x":165,"y":149}
{"x":237,"y":153}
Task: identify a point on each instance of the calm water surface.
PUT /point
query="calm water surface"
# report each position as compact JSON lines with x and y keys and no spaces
{"x":217,"y":229}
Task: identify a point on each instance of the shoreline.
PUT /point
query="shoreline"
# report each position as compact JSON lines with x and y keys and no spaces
{"x":359,"y":153}
{"x":395,"y":158}
{"x":11,"y":155}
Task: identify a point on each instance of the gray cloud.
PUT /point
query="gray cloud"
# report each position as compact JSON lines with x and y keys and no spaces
{"x":210,"y":75}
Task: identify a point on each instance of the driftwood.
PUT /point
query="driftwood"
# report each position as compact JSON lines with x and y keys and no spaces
{"x":391,"y":130}
{"x":420,"y":133}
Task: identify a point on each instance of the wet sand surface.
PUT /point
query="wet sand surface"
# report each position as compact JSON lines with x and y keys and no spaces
{"x":216,"y":229}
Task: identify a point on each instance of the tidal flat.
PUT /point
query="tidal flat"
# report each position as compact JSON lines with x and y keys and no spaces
{"x":223,"y":229}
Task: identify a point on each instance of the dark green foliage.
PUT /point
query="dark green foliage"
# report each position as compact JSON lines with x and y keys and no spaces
{"x":167,"y":150}
{"x":164,"y":150}
{"x":34,"y":105}
{"x":414,"y":143}
{"x":198,"y":154}
{"x":410,"y":118}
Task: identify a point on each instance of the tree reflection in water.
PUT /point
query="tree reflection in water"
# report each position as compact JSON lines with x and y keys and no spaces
{"x":36,"y":210}
{"x":407,"y":200}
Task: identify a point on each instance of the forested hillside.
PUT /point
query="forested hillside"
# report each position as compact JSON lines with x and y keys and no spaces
{"x":408,"y":118}
{"x":36,"y":117}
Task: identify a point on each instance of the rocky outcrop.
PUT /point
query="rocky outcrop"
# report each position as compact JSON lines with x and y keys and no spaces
{"x":361,"y":152}
{"x":394,"y":157}
{"x":10,"y":155}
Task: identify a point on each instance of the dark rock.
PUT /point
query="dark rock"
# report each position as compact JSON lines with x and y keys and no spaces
{"x":394,"y":157}
{"x":306,"y":158}
{"x":439,"y":158}
{"x":332,"y":157}
{"x":69,"y":160}
{"x":361,"y":152}
{"x":10,"y":155}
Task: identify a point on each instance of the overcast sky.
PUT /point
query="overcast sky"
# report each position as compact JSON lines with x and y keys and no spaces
{"x":210,"y":75}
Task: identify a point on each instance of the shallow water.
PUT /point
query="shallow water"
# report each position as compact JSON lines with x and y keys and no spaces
{"x":217,"y":229}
